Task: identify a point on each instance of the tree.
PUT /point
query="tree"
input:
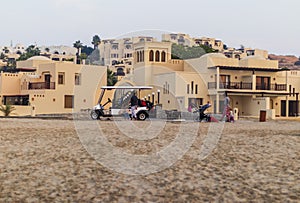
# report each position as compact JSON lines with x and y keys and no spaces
{"x":31,"y":51}
{"x":7,"y":109}
{"x":78,"y":45}
{"x":185,"y":52}
{"x":111,"y":78}
{"x":2,"y":56}
{"x":96,"y":41}
{"x":83,"y":56}
{"x":87,"y":50}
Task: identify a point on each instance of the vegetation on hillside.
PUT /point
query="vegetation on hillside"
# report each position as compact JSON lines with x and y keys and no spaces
{"x":31,"y":51}
{"x":186,"y":52}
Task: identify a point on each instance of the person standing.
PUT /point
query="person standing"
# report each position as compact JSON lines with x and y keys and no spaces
{"x":226,"y":107}
{"x":133,"y":103}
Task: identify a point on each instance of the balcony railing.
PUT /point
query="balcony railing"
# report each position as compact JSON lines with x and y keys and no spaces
{"x":41,"y":85}
{"x":247,"y":86}
{"x":231,"y":85}
{"x":274,"y":87}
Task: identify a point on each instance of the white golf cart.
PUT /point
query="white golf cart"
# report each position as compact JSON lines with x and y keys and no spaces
{"x":120,"y":102}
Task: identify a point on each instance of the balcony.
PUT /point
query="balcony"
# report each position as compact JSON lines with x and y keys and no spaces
{"x":247,"y":86}
{"x":273,"y":87}
{"x":231,"y":85}
{"x":41,"y":85}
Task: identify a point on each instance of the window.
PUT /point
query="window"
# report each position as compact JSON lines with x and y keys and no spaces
{"x":157,"y":56}
{"x":142,"y":56}
{"x":163,"y":56}
{"x":61,"y":78}
{"x":115,"y":46}
{"x":263,"y":83}
{"x":138,"y":56}
{"x":196,"y":89}
{"x":114,"y":55}
{"x":188,"y":89}
{"x":151,"y":55}
{"x":77,"y":79}
{"x":225,"y":81}
{"x":166,"y":88}
{"x":69,"y":101}
{"x":16,"y":100}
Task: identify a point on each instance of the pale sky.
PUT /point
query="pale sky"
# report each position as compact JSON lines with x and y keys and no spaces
{"x":266,"y":24}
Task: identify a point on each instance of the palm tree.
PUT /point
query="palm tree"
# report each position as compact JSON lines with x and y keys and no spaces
{"x":7,"y":109}
{"x":96,"y":41}
{"x":78,"y":45}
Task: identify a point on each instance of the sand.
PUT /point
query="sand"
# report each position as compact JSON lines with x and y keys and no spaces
{"x":44,"y":161}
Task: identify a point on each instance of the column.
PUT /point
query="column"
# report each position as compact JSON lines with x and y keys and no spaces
{"x":253,"y":81}
{"x":217,"y":93}
{"x":287,"y":106}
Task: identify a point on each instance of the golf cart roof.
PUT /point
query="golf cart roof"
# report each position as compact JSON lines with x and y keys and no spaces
{"x":126,"y":87}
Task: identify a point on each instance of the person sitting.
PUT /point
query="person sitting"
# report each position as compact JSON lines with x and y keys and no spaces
{"x":143,"y":102}
{"x":133,"y":103}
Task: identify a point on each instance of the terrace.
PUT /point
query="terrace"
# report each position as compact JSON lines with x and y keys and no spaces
{"x":41,"y":85}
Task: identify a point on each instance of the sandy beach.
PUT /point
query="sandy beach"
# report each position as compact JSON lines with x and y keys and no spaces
{"x":45,"y":161}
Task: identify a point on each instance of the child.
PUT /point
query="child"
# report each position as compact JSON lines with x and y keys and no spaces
{"x":231,"y":117}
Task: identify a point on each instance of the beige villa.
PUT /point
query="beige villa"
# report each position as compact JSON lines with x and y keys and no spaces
{"x":44,"y":86}
{"x":253,"y":83}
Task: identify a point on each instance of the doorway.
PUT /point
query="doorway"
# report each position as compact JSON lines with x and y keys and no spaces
{"x":47,"y":81}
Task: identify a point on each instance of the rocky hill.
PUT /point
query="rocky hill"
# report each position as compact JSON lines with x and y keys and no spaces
{"x":287,"y":61}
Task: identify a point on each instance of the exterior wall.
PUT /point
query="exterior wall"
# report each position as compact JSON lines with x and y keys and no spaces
{"x":87,"y":94}
{"x":32,"y":63}
{"x":166,"y":83}
{"x":254,"y":62}
{"x":10,"y":83}
{"x":245,"y":52}
{"x":179,"y":38}
{"x":252,"y":106}
{"x":52,"y":101}
{"x":210,"y":42}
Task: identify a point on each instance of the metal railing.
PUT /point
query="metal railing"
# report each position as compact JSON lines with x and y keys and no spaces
{"x":273,"y":87}
{"x":231,"y":85}
{"x":247,"y":86}
{"x":41,"y":85}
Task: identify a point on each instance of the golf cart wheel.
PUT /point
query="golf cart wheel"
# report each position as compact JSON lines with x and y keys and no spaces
{"x":142,"y":116}
{"x":94,"y":115}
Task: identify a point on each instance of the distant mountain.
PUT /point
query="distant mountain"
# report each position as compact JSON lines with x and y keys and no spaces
{"x":287,"y":61}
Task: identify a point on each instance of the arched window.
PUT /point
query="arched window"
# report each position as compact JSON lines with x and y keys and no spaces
{"x":142,"y":56}
{"x":137,"y":56}
{"x":157,"y":56}
{"x":163,"y":56}
{"x":151,"y":55}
